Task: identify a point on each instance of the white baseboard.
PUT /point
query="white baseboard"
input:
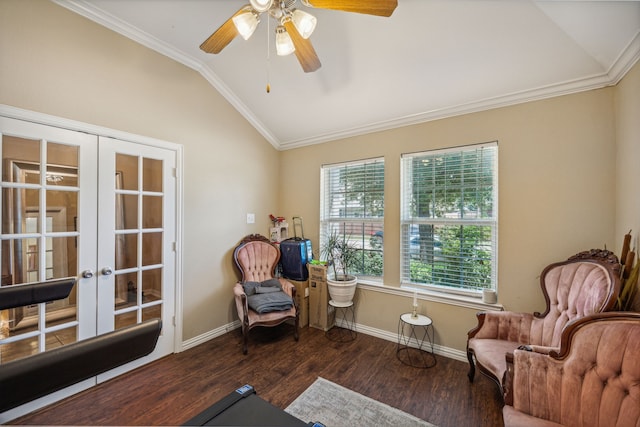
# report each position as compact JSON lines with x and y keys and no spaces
{"x":364,"y":329}
{"x":201,"y":339}
{"x":451,"y":353}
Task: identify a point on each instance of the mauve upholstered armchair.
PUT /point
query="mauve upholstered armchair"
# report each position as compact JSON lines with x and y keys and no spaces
{"x":586,"y":283}
{"x":257,"y":258}
{"x":592,"y":380}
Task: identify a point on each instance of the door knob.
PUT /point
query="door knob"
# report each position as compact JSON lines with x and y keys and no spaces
{"x":87,"y":274}
{"x":106,"y":271}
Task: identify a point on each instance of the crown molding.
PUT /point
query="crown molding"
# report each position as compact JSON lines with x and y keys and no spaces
{"x":625,"y":61}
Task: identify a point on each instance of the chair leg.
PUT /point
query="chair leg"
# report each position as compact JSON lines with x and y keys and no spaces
{"x":472,"y":366}
{"x":245,"y":340}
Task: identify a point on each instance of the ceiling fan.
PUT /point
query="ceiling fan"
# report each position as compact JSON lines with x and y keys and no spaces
{"x":294,"y":25}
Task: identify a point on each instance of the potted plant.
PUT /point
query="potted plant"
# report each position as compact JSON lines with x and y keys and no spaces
{"x":340,"y":255}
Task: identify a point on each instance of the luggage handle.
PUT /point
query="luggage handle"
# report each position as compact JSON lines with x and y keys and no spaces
{"x":295,"y":235}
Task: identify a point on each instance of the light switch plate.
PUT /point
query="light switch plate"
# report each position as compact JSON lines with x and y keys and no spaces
{"x":251,"y":218}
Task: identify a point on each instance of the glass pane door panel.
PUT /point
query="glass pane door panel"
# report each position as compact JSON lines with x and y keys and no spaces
{"x":152,"y":211}
{"x":126,"y":291}
{"x":60,"y":156}
{"x":126,"y":251}
{"x":62,"y":208}
{"x":60,"y":257}
{"x":123,"y":320}
{"x":151,"y":248}
{"x":22,"y":260}
{"x":19,"y":349}
{"x":126,"y":211}
{"x":126,"y":172}
{"x":15,"y":149}
{"x":62,"y":311}
{"x":14,"y":208}
{"x":153,"y":312}
{"x":152,"y":177}
{"x":152,"y":285}
{"x":60,"y":337}
{"x":32,"y":256}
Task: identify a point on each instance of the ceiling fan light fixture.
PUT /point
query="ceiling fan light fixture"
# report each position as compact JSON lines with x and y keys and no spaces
{"x":305,"y":22}
{"x":246,"y":23}
{"x":284,"y":44}
{"x":261,"y":5}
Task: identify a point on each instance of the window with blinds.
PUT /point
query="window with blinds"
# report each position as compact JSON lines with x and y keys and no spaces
{"x":449,"y":210}
{"x":352,"y":208}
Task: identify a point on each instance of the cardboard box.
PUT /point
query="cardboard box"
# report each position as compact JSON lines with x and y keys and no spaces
{"x":317,"y":272}
{"x":320,"y":312}
{"x":302,"y":299}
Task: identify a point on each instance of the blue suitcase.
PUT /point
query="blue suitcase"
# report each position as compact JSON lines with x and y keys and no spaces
{"x":295,"y":254}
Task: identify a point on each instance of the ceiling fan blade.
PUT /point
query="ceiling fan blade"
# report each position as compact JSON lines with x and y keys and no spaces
{"x":222,"y":36}
{"x":305,"y":52}
{"x":369,"y":7}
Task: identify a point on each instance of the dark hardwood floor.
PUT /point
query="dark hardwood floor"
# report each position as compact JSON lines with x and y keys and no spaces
{"x":176,"y":388}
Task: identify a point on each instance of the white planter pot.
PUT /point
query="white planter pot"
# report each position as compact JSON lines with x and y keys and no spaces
{"x":342,"y":291}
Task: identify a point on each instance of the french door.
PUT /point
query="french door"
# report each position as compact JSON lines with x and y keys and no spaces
{"x":99,"y":209}
{"x":136,"y":240}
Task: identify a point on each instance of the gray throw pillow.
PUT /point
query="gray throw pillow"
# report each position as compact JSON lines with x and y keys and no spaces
{"x":251,"y":288}
{"x":271,"y":283}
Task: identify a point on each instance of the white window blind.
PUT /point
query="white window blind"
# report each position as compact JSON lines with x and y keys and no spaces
{"x":449,"y":219}
{"x":352,"y":207}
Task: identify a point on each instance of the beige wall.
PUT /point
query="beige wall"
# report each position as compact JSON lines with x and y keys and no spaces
{"x":556,"y":195}
{"x":56,"y":62}
{"x":627,"y":113}
{"x":557,"y":162}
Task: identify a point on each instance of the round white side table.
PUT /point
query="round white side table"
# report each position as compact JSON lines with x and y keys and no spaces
{"x":413,"y":334}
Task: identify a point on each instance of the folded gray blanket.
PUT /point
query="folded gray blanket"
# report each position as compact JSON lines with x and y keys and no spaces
{"x":271,"y":301}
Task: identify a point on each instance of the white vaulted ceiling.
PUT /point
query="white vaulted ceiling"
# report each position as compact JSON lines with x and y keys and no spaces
{"x":430,"y":59}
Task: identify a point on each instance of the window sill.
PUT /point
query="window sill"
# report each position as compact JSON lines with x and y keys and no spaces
{"x":427,"y":295}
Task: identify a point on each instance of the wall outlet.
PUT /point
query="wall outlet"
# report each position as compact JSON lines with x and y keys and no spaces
{"x":251,"y":218}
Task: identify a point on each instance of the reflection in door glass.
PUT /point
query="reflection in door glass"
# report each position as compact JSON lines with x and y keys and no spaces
{"x":126,"y":172}
{"x":123,"y":320}
{"x":60,"y":337}
{"x":151,"y":248}
{"x":63,"y":310}
{"x":61,"y":257}
{"x":153,"y":312}
{"x":126,"y":211}
{"x":18,"y":150}
{"x":152,"y":285}
{"x":61,"y":157}
{"x":126,"y":251}
{"x":139,"y":239}
{"x":18,"y":349}
{"x":62,"y":208}
{"x":39,"y":242}
{"x":152,"y":211}
{"x":126,"y":290}
{"x":14,"y":208}
{"x":152,"y":178}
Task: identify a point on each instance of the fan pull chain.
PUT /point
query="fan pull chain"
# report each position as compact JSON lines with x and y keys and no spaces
{"x":268,"y":56}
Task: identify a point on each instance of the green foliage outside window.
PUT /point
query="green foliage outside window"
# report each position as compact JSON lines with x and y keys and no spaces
{"x":449,"y":221}
{"x":353,"y":209}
